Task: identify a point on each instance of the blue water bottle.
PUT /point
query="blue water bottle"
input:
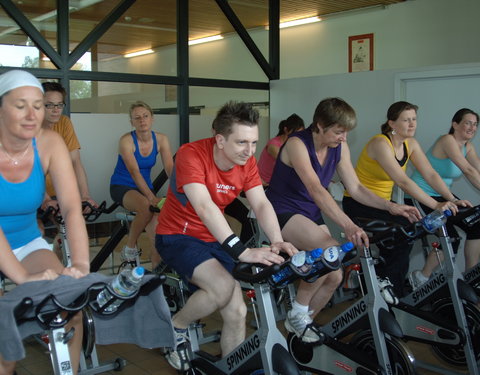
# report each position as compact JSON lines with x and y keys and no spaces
{"x":435,"y":220}
{"x":301,"y":264}
{"x":330,"y":260}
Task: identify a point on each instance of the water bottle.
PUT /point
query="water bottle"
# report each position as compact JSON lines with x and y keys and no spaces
{"x":435,"y":220}
{"x":301,"y":263}
{"x":125,"y":284}
{"x":331,"y":260}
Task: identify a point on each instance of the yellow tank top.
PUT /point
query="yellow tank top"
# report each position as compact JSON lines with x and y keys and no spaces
{"x":372,"y":175}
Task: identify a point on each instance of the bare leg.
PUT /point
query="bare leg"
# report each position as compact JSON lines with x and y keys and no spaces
{"x":41,"y":260}
{"x":432,"y":262}
{"x":472,"y":253}
{"x":306,"y":235}
{"x":137,"y":202}
{"x":150,"y":230}
{"x":6,"y":367}
{"x":222,"y":293}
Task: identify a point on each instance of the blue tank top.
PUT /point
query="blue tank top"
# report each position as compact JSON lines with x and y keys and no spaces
{"x":446,"y":168}
{"x":19,"y":203}
{"x":121,"y":175}
{"x":286,"y":191}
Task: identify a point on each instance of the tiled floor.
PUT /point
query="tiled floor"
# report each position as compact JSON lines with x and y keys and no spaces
{"x":151,"y":362}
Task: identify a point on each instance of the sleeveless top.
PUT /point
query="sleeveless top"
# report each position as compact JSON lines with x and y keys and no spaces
{"x":121,"y":175}
{"x":267,"y":161}
{"x":373,"y":176}
{"x":19,"y":203}
{"x":446,"y":168}
{"x":286,"y":191}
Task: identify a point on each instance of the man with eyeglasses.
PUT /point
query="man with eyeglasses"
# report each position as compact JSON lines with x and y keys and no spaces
{"x":54,"y":119}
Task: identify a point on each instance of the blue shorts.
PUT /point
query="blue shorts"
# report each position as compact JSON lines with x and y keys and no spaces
{"x":184,"y":253}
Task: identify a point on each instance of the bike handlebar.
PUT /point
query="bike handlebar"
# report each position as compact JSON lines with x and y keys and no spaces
{"x":47,"y":311}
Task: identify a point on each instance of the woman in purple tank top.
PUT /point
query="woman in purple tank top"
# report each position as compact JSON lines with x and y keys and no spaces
{"x":299,"y":195}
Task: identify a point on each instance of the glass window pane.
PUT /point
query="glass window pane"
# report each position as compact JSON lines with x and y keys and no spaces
{"x":219,"y":59}
{"x":145,"y":26}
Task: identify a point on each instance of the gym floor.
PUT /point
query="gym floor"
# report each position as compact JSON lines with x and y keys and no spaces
{"x":151,"y":361}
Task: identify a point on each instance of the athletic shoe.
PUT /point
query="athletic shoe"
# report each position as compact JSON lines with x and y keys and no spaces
{"x":302,"y":325}
{"x":416,"y":279}
{"x":179,"y":358}
{"x":386,"y":290}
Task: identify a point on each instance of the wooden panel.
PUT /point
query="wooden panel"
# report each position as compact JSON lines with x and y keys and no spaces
{"x":152,"y":23}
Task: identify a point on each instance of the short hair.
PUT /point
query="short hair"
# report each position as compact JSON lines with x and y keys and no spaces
{"x":334,"y":111}
{"x":292,"y":123}
{"x":394,"y":112}
{"x":459,"y":115}
{"x":54,"y":86}
{"x":137,"y":104}
{"x":234,"y":113}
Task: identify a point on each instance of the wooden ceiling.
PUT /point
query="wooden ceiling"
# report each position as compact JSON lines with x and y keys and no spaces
{"x":152,"y":23}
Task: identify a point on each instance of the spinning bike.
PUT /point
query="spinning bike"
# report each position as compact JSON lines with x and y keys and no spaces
{"x":44,"y":310}
{"x":375,"y":348}
{"x":442,"y":311}
{"x":265,"y":350}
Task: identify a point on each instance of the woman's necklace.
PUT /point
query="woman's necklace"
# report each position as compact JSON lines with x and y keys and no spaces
{"x":13,"y":160}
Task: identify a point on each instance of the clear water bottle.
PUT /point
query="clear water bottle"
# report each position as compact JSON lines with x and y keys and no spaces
{"x":125,"y":284}
{"x":301,"y":263}
{"x":435,"y":220}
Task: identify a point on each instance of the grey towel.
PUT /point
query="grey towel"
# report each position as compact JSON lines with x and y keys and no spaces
{"x":146,"y":323}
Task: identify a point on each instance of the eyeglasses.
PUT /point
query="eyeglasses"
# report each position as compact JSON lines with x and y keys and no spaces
{"x":52,"y":105}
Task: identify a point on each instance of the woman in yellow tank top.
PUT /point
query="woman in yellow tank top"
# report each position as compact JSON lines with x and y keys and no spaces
{"x":381,"y":165}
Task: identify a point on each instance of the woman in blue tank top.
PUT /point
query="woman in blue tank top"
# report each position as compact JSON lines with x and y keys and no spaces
{"x":452,"y":156}
{"x":131,"y":184}
{"x":299,"y":195}
{"x":27,"y":153}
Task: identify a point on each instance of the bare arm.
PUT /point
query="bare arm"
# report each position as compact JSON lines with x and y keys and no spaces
{"x":380,"y":150}
{"x":364,"y":195}
{"x":58,"y":164}
{"x":126,"y":150}
{"x":81,"y":175}
{"x":267,"y":218}
{"x":469,"y":165}
{"x":295,"y":154}
{"x":273,"y":150}
{"x":212,"y":217}
{"x":165,"y":153}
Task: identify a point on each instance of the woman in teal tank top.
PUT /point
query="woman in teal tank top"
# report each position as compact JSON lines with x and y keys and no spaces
{"x":452,"y":156}
{"x":27,"y":153}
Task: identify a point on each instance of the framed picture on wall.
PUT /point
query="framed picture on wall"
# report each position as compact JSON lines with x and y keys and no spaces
{"x":360,"y":53}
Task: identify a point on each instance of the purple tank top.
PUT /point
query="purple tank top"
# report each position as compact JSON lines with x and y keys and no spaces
{"x":287,"y":192}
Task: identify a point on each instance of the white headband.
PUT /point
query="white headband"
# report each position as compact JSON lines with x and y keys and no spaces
{"x":17,"y":78}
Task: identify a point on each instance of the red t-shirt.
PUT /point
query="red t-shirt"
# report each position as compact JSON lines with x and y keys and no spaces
{"x":194,"y":164}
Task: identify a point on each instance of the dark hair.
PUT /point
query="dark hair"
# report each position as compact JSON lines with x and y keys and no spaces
{"x":54,"y":86}
{"x":331,"y":112}
{"x":292,"y":123}
{"x":459,"y":115}
{"x":234,"y":113}
{"x":394,"y":112}
{"x":137,"y":104}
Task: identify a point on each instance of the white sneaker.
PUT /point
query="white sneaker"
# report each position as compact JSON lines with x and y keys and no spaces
{"x":416,"y":279}
{"x":386,"y":290}
{"x":302,"y":325}
{"x":179,"y":358}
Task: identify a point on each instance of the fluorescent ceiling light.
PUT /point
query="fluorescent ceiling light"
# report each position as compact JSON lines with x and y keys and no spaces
{"x":205,"y":40}
{"x":138,"y":53}
{"x":301,"y":21}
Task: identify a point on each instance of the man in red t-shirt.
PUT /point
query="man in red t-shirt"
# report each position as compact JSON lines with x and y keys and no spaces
{"x":193,"y":236}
